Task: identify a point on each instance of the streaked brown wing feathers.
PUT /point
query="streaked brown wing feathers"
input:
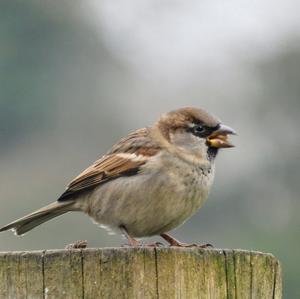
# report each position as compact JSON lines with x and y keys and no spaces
{"x":113,"y":164}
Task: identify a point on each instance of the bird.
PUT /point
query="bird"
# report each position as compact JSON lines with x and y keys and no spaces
{"x":149,"y":183}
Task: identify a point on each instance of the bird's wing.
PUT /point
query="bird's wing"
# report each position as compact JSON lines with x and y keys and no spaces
{"x":125,"y":159}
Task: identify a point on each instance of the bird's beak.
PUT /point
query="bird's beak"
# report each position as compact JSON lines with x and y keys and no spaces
{"x":219,"y":138}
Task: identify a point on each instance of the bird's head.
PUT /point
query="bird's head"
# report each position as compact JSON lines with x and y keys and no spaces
{"x":195,"y":132}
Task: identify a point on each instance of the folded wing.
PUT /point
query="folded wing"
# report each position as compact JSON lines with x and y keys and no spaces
{"x":125,"y":159}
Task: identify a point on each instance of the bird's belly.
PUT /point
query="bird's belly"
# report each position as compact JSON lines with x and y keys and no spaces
{"x":148,"y":205}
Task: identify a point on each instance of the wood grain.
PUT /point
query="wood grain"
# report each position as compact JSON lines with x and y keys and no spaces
{"x":160,"y":273}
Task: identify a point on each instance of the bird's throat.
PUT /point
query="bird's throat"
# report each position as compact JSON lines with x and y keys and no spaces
{"x":212,"y":153}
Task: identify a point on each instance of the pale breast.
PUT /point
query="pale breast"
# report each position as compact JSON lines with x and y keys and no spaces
{"x":192,"y":189}
{"x":173,"y":195}
{"x":155,"y":201}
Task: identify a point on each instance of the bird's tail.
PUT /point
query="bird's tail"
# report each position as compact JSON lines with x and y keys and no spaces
{"x":28,"y":222}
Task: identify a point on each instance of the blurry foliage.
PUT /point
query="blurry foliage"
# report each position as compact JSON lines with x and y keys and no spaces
{"x":45,"y":50}
{"x":281,"y":93}
{"x":24,"y":92}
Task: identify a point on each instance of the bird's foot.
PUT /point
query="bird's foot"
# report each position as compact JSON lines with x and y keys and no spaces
{"x":132,"y":242}
{"x":138,"y":244}
{"x":155,"y":244}
{"x":187,"y":245}
{"x":80,"y":244}
{"x":175,"y":243}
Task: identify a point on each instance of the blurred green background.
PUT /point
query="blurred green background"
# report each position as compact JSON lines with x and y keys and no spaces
{"x":75,"y":76}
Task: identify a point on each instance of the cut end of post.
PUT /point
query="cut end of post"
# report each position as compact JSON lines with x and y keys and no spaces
{"x":140,"y":273}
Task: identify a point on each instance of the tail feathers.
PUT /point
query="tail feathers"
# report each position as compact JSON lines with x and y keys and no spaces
{"x":28,"y":222}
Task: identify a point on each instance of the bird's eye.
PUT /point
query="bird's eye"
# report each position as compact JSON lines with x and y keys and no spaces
{"x":198,"y":129}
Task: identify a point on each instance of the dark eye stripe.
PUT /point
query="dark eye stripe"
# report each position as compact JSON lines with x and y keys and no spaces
{"x":204,"y":133}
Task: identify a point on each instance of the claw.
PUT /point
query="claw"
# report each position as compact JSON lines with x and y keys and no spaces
{"x":144,"y":245}
{"x":135,"y":243}
{"x":80,"y":244}
{"x":175,"y":243}
{"x":156,"y":244}
{"x":186,"y":245}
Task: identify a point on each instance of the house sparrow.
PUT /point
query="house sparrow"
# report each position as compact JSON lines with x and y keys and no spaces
{"x":149,"y":183}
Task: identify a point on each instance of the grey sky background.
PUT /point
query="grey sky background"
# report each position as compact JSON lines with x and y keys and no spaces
{"x":76,"y":76}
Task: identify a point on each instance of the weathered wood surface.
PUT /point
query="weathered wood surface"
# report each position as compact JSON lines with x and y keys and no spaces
{"x":139,"y":273}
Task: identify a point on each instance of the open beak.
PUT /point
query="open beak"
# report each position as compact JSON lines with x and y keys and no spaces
{"x":219,"y":138}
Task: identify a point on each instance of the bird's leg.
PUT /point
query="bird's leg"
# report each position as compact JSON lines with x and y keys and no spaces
{"x":173,"y":242}
{"x":135,"y":243}
{"x":131,"y":241}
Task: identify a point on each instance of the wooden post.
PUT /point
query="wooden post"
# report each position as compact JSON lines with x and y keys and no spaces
{"x":163,"y":273}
